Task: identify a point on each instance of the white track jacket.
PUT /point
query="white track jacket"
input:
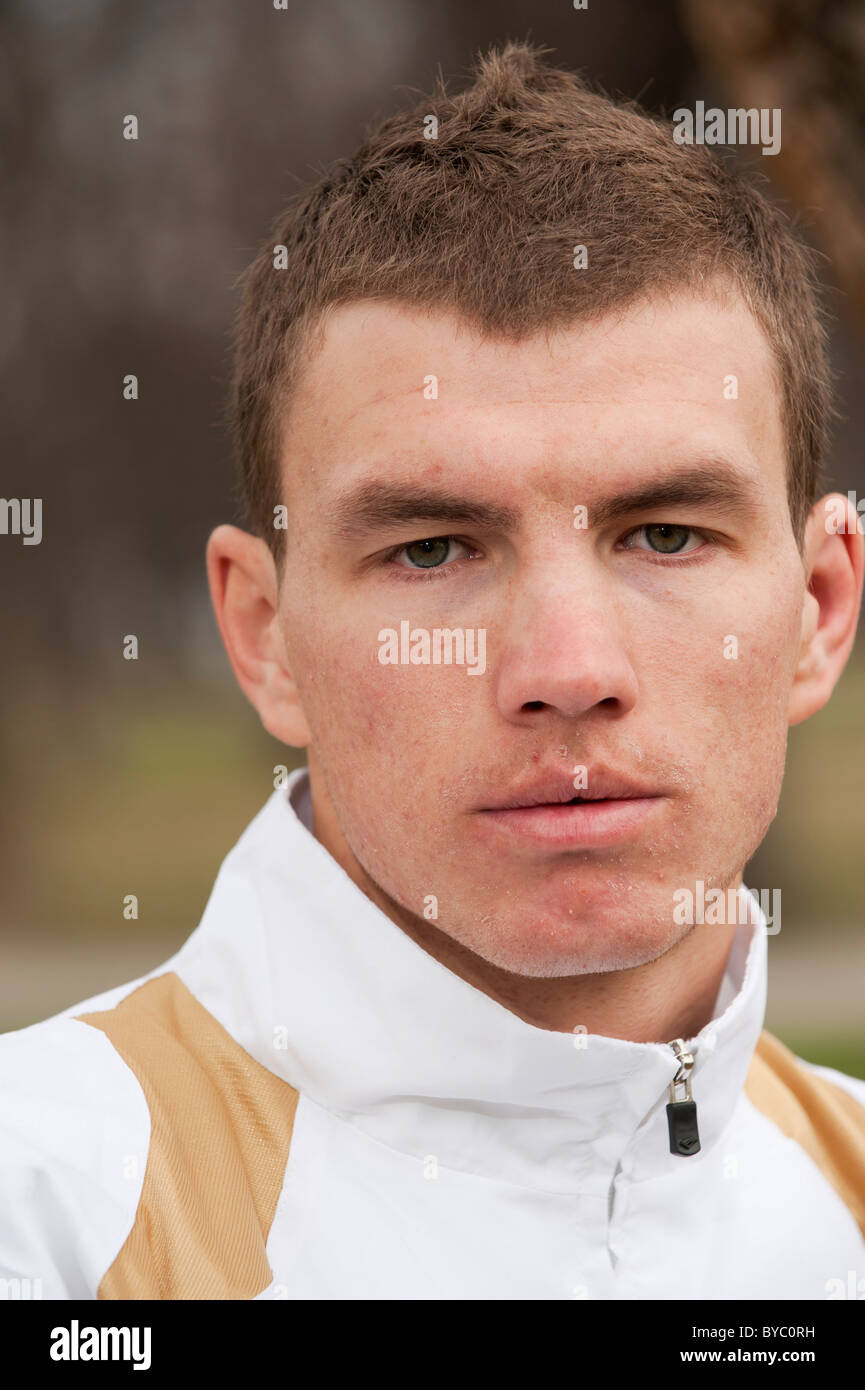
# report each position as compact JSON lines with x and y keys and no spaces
{"x":303,"y":1104}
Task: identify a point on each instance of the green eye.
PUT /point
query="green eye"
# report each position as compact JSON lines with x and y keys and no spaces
{"x":667,"y":539}
{"x":428,"y":554}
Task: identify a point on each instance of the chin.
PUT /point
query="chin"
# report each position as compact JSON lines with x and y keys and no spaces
{"x":566,"y":945}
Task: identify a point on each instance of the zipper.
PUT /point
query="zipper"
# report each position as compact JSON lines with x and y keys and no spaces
{"x":682,"y":1110}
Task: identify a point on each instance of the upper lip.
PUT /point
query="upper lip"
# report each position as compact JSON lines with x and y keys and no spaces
{"x":555,"y":789}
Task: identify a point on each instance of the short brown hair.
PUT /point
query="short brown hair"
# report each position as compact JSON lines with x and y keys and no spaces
{"x":483,"y":219}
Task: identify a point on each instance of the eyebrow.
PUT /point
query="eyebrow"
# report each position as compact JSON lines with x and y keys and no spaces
{"x":715,"y":483}
{"x":376,"y":505}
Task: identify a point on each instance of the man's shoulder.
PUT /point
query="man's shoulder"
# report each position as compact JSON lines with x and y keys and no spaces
{"x":61,"y":1061}
{"x":61,"y":1058}
{"x":75,"y":1136}
{"x":122,"y":1122}
{"x":821,"y":1109}
{"x":67,"y":1074}
{"x":812,"y":1084}
{"x":853,"y":1086}
{"x":74,"y":1139}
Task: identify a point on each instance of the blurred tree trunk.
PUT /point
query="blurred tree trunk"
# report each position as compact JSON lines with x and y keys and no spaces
{"x":808,"y":58}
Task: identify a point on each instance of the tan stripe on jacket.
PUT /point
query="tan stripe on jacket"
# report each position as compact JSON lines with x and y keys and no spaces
{"x":221,"y":1128}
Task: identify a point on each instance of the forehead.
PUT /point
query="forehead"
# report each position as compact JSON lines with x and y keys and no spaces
{"x":387,"y":384}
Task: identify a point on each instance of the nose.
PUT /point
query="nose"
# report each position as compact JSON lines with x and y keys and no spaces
{"x":563,"y":652}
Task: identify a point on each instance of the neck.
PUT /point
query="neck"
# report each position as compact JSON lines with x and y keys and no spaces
{"x":670,"y":997}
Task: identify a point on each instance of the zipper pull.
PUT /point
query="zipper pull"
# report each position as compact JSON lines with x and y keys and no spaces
{"x":682,"y":1113}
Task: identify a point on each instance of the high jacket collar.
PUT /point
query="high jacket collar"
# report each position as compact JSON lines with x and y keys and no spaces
{"x":325,"y":990}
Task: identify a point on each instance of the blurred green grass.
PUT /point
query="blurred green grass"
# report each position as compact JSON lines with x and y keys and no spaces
{"x":142,"y":796}
{"x":843,"y":1051}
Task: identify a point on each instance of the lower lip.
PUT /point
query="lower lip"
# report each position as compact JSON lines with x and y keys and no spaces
{"x":591,"y":825}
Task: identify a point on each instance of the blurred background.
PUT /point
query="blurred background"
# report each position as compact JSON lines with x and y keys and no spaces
{"x":122,"y":257}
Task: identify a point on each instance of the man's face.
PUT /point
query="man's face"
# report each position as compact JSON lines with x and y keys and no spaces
{"x":653,"y":646}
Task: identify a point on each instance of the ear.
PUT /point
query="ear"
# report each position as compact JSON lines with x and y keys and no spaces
{"x":834,"y":559}
{"x":244,"y":588}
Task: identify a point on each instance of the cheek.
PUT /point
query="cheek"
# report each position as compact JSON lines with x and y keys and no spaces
{"x":736,"y":703}
{"x":760,"y":690}
{"x":756,"y":668}
{"x":401,"y":719}
{"x":714,"y":683}
{"x":734,"y":650}
{"x":341,"y":688}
